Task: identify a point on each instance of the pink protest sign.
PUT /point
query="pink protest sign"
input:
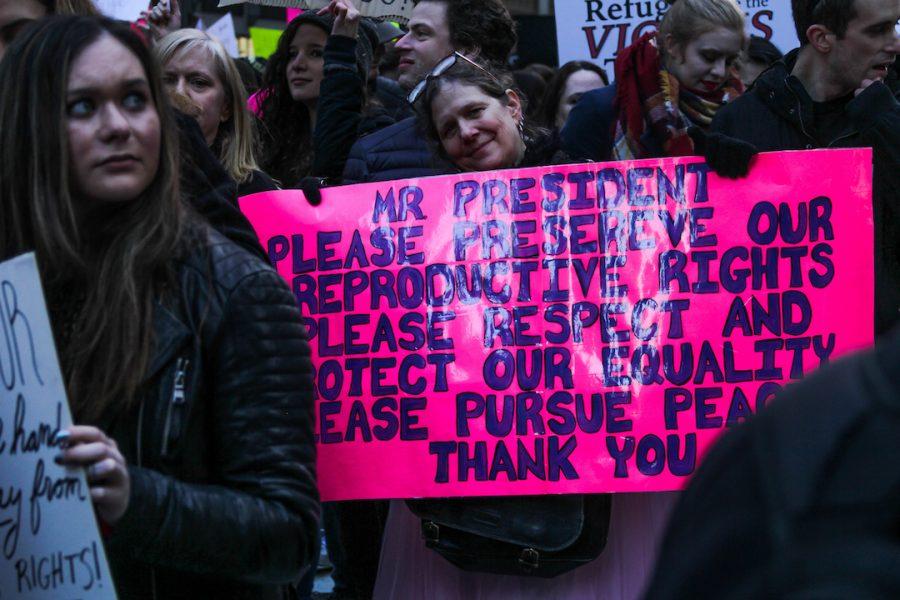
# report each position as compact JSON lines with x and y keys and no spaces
{"x":580,"y":328}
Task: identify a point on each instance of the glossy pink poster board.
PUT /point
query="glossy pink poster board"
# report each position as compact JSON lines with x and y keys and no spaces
{"x":578,"y":328}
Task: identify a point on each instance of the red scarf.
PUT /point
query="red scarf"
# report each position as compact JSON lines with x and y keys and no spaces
{"x":648,"y":95}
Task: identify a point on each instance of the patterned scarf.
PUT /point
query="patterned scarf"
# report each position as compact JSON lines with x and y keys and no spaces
{"x":644,"y":96}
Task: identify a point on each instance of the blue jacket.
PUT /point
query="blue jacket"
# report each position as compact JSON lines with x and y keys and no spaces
{"x":396,"y":152}
{"x":588,"y":132}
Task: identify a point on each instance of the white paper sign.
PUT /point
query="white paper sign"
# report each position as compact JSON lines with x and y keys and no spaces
{"x":596,"y":30}
{"x":395,"y":10}
{"x":223,"y":30}
{"x":49,"y":543}
{"x":125,"y":10}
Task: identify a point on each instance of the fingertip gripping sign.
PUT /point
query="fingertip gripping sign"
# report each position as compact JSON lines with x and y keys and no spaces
{"x":566,"y":329}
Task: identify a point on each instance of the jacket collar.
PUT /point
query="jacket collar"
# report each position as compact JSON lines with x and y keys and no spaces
{"x":170,"y":336}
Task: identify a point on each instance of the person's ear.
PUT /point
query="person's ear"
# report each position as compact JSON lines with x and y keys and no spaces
{"x":821,"y":38}
{"x":514,"y":105}
{"x":226,"y":113}
{"x":672,"y":48}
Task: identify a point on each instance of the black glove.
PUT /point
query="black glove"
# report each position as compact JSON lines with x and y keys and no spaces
{"x":727,"y":156}
{"x":310,"y":187}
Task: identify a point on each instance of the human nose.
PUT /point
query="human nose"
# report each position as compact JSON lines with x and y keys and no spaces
{"x":404,"y":44}
{"x":719,"y":69}
{"x":467,"y":131}
{"x":298,"y":63}
{"x":181,"y":86}
{"x":113,"y":123}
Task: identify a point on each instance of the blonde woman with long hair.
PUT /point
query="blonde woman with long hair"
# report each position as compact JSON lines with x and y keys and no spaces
{"x":205,"y":82}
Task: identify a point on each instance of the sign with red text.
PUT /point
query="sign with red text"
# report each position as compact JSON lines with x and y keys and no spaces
{"x":596,"y":30}
{"x":49,"y":541}
{"x":578,"y":328}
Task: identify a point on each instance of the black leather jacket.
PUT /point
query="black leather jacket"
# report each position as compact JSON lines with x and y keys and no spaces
{"x":220,"y":449}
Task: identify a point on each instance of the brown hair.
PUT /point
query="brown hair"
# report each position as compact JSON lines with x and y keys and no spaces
{"x":483,"y":24}
{"x":554,"y":92}
{"x":833,"y":14}
{"x":125,"y":258}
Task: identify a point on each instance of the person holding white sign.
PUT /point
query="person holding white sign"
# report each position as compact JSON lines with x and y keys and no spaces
{"x":665,"y":83}
{"x":185,"y":361}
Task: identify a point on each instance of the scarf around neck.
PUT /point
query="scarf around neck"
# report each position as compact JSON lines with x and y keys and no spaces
{"x":647,"y":95}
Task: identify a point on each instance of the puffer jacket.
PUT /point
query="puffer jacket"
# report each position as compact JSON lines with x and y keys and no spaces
{"x":400,"y":151}
{"x":220,"y":447}
{"x":776,"y":114}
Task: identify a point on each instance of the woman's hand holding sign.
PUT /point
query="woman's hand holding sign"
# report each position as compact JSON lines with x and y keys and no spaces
{"x":105,"y":467}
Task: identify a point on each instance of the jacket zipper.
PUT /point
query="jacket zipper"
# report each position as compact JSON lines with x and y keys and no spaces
{"x":176,"y":402}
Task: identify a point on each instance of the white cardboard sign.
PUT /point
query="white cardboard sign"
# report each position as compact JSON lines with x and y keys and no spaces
{"x":50,"y":546}
{"x":223,"y":30}
{"x":596,"y":30}
{"x":125,"y":10}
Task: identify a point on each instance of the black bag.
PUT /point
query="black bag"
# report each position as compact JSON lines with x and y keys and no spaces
{"x":540,"y":536}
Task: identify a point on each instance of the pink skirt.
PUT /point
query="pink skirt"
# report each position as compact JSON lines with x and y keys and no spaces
{"x":410,"y":571}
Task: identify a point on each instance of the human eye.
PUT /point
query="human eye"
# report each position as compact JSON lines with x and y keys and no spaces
{"x":200,"y":82}
{"x":573,"y":99}
{"x":422,"y":33}
{"x":134,"y":100}
{"x":80,"y":107}
{"x":316,"y":52}
{"x":709,"y":57}
{"x":475,"y":112}
{"x":170,"y":79}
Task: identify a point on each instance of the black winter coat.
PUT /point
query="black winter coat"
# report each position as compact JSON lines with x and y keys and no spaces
{"x":220,"y":448}
{"x":776,"y":114}
{"x":400,"y":151}
{"x":803,"y":501}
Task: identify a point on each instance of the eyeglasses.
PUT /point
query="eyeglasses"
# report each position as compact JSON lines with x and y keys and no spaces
{"x":441,"y":68}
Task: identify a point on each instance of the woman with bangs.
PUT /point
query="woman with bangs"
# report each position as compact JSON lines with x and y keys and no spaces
{"x":171,"y":338}
{"x":199,"y":73}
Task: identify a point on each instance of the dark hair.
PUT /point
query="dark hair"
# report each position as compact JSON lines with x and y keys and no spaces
{"x":833,"y":14}
{"x":532,"y":86}
{"x":286,"y":131}
{"x":119,"y":258}
{"x":483,"y":24}
{"x":762,"y":51}
{"x":553,"y":95}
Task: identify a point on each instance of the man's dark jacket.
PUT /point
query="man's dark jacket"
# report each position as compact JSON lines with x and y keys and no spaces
{"x":776,"y":114}
{"x":400,"y":151}
{"x":801,"y":502}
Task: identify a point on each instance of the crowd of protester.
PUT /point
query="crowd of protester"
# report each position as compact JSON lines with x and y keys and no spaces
{"x":157,"y":286}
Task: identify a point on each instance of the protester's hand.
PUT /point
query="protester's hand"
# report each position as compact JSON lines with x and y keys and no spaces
{"x":164,"y":18}
{"x":346,"y":17}
{"x":727,"y":156}
{"x":105,"y":467}
{"x":310,"y":187}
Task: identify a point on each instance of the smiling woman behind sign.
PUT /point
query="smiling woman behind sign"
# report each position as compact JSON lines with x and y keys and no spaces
{"x":475,"y":119}
{"x":183,"y":355}
{"x":665,"y":83}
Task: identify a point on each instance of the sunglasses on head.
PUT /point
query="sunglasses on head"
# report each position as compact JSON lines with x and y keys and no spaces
{"x":441,"y":68}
